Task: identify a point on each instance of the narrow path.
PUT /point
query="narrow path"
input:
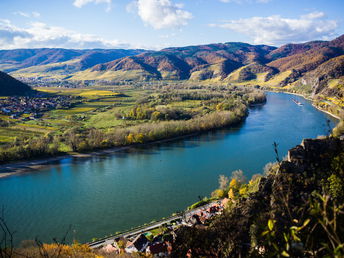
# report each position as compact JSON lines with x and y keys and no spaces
{"x":142,"y":229}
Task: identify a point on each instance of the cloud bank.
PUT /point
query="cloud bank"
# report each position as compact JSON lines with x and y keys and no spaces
{"x":161,"y":14}
{"x":39,"y":34}
{"x":277,"y":30}
{"x":28,"y":15}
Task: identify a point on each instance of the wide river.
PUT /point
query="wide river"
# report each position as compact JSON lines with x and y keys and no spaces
{"x":104,"y":194}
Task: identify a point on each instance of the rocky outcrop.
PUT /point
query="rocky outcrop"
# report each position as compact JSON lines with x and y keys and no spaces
{"x":311,"y":154}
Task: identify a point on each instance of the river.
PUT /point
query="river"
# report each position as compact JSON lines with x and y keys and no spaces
{"x":104,"y":194}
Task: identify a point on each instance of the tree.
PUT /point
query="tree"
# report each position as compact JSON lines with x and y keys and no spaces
{"x":239,"y":176}
{"x":223,"y":182}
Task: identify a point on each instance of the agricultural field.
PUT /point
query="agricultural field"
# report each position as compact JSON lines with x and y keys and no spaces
{"x":86,"y":119}
{"x":95,"y":108}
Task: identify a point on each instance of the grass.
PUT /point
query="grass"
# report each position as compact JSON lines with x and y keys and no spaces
{"x":99,"y":107}
{"x":97,"y":93}
{"x":8,"y":134}
{"x":234,"y":76}
{"x":110,"y":75}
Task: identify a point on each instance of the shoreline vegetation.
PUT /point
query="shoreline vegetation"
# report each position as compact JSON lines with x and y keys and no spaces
{"x":43,"y":151}
{"x":321,"y":103}
{"x":309,"y":99}
{"x":20,"y":167}
{"x":294,"y":210}
{"x":219,"y":110}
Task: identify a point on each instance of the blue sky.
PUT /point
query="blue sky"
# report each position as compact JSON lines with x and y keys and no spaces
{"x":155,"y":24}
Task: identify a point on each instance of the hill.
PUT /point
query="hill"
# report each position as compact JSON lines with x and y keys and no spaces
{"x":10,"y":86}
{"x":292,"y":67}
{"x":214,"y":61}
{"x":295,"y":210}
{"x":56,"y":62}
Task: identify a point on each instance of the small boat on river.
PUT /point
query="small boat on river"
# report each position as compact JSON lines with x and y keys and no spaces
{"x":297,"y":102}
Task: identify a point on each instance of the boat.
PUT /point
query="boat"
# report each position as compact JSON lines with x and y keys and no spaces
{"x":297,"y":102}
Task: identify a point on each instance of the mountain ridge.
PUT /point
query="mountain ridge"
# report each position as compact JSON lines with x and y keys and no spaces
{"x":288,"y":67}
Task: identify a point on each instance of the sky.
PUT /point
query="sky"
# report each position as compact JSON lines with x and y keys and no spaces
{"x":156,"y":24}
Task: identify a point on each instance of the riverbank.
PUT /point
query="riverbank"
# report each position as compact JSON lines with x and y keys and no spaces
{"x":307,"y":98}
{"x":182,"y":170}
{"x":21,"y":167}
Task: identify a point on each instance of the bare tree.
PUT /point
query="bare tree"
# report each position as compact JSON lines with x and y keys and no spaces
{"x":6,"y":242}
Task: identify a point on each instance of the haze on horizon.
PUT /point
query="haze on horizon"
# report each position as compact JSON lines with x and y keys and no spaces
{"x":156,"y":24}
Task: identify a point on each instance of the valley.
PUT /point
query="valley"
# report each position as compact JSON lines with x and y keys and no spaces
{"x":106,"y":140}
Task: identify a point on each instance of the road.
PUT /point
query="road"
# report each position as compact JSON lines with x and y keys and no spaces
{"x":142,"y":229}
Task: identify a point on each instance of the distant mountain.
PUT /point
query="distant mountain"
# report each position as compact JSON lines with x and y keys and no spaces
{"x":230,"y":62}
{"x":214,"y":61}
{"x":295,"y":66}
{"x":10,"y":86}
{"x":327,"y":79}
{"x":48,"y":62}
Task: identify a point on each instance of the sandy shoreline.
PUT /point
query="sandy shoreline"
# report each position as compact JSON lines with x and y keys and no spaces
{"x":21,"y":167}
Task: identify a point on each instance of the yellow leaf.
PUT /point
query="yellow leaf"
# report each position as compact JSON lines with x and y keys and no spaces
{"x":306,"y":222}
{"x":271,"y":224}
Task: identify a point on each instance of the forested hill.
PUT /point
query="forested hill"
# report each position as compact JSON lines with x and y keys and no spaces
{"x":10,"y":86}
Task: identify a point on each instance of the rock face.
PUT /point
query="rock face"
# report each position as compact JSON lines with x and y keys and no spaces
{"x":311,"y":153}
{"x":319,"y":77}
{"x":284,"y":200}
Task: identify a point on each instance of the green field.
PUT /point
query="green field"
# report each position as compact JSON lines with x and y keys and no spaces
{"x":107,"y":116}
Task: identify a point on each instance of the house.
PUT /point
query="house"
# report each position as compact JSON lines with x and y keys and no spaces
{"x":157,"y":249}
{"x":110,"y":249}
{"x":139,"y":244}
{"x":195,"y":219}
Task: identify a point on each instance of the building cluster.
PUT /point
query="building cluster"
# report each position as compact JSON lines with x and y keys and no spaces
{"x":161,"y":245}
{"x":48,"y":82}
{"x":32,"y":107}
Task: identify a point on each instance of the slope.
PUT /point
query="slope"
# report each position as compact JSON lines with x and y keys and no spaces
{"x":214,"y":61}
{"x":10,"y":86}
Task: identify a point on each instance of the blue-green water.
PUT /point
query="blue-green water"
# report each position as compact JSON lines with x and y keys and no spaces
{"x":102,"y":195}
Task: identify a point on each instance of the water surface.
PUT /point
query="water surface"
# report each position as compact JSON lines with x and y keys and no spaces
{"x":105,"y":194}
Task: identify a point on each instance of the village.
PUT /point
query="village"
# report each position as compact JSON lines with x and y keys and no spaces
{"x":48,"y":82}
{"x":156,"y":239}
{"x":32,"y":108}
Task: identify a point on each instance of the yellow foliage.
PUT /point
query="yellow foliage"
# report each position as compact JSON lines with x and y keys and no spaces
{"x":231,"y":194}
{"x":139,"y":137}
{"x":69,"y":250}
{"x":233,"y":183}
{"x":243,"y":190}
{"x":218,"y":193}
{"x":131,"y":138}
{"x":135,"y":138}
{"x":97,"y":93}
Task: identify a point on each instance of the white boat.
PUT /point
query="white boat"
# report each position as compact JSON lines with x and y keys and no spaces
{"x":297,"y":102}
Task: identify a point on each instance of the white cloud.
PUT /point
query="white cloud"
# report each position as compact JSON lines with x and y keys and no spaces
{"x":36,"y":14}
{"x":28,"y":15}
{"x":39,"y":34}
{"x":81,"y":3}
{"x":278,"y":30}
{"x":161,"y":14}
